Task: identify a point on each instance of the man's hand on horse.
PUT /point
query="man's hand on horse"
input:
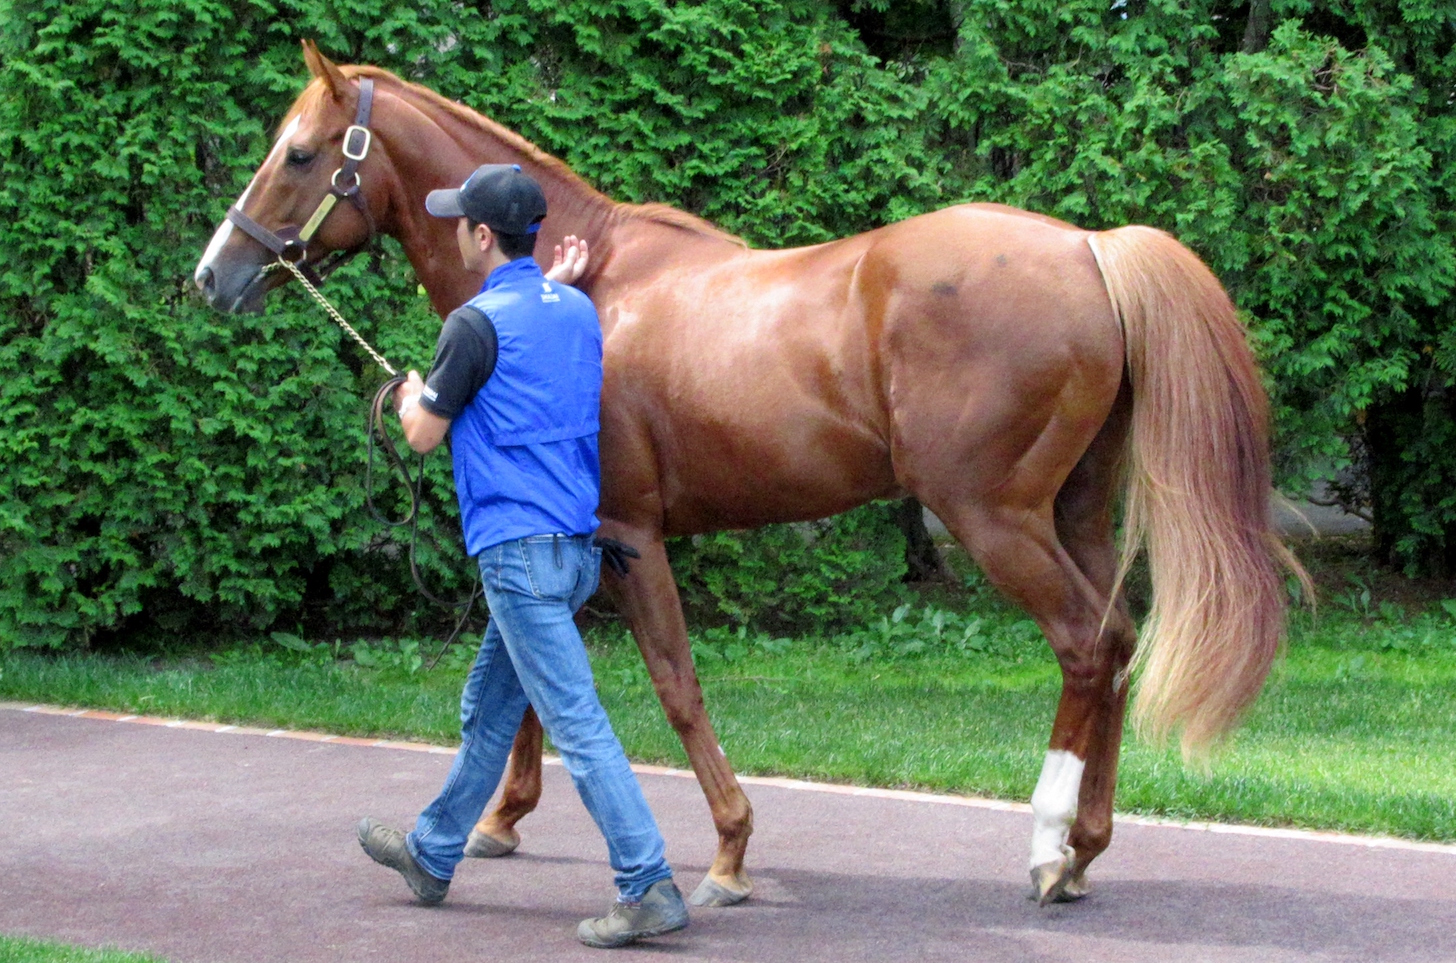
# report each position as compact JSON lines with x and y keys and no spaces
{"x":569,"y":263}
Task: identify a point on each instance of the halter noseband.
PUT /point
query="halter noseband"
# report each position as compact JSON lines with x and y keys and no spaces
{"x":291,"y":244}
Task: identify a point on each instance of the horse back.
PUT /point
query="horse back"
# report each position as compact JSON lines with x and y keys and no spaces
{"x":746,"y":387}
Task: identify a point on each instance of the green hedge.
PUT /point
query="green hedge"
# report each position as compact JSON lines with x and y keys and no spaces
{"x":168,"y":469}
{"x":824,"y":576}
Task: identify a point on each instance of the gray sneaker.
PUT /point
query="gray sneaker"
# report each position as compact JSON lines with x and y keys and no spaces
{"x":661,"y":911}
{"x":386,"y":847}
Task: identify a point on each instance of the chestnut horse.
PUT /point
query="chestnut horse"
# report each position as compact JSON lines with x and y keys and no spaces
{"x":1014,"y":373}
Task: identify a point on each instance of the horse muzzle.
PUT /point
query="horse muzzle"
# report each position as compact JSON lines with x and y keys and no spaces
{"x":233,"y":290}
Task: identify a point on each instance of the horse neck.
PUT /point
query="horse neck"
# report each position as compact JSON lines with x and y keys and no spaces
{"x":432,"y":147}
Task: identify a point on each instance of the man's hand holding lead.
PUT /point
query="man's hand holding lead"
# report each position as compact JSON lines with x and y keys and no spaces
{"x":422,"y":429}
{"x":407,"y":395}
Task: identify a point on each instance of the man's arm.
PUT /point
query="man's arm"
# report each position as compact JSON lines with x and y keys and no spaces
{"x":423,"y":429}
{"x":464,"y":359}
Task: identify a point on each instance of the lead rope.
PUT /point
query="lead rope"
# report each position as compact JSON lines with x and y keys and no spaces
{"x":338,"y":318}
{"x":414,"y":485}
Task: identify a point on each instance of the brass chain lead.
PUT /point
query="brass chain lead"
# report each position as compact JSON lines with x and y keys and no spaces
{"x":413,"y":485}
{"x":338,"y":318}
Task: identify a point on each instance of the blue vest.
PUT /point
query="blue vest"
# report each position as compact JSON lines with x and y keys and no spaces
{"x":525,"y":447}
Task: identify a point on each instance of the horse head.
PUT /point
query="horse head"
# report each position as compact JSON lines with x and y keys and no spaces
{"x":288,"y":209}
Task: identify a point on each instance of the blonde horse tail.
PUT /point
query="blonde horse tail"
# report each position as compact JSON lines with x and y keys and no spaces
{"x":1197,"y":494}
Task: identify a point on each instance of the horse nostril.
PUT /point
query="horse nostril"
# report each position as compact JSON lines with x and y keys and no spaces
{"x":205,"y":282}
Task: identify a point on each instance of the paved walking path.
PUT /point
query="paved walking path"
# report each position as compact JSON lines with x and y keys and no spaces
{"x":234,"y":847}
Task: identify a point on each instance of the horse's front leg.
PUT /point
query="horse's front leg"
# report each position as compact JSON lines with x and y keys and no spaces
{"x":495,"y":834}
{"x":649,"y":601}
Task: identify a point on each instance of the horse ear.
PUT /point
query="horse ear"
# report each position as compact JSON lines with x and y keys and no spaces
{"x":325,"y":69}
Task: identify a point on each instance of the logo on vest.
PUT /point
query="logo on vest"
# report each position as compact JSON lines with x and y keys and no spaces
{"x":549,"y":296}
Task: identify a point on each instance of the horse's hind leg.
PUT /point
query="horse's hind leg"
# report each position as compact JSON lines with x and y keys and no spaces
{"x":1017,"y":537}
{"x":1094,"y":691}
{"x":1021,"y":555}
{"x":495,"y":834}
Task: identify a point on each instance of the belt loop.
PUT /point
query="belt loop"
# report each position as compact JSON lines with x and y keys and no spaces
{"x":556,"y":548}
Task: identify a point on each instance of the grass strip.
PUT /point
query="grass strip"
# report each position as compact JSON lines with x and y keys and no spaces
{"x":1373,"y":752}
{"x":1353,"y":737}
{"x":19,"y":949}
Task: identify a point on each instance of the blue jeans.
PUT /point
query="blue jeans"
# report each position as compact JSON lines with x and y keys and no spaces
{"x":533,"y":655}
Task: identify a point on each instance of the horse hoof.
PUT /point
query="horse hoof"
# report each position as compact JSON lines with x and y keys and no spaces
{"x":1055,"y":882}
{"x":484,"y":846}
{"x":712,"y":893}
{"x":1076,"y":888}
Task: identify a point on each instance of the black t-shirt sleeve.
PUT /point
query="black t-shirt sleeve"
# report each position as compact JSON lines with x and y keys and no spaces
{"x":464,"y":360}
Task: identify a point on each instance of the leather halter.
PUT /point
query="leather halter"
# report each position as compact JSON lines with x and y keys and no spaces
{"x":290,"y":243}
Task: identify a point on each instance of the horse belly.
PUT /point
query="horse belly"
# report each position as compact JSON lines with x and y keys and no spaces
{"x":756,"y":393}
{"x":751,"y":472}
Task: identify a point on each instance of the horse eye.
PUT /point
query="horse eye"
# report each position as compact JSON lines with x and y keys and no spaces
{"x":298,"y":157}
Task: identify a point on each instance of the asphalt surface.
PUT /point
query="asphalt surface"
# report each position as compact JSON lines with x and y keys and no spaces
{"x":234,"y":846}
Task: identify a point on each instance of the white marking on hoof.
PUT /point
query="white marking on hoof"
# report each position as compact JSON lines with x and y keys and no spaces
{"x":1052,"y":884}
{"x":1054,"y":805}
{"x":1044,"y":881}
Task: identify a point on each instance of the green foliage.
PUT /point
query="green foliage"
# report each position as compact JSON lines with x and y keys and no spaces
{"x":907,"y":632}
{"x":166,"y":469}
{"x":402,"y":657}
{"x":1390,"y":626}
{"x":813,"y":577}
{"x":1314,"y":175}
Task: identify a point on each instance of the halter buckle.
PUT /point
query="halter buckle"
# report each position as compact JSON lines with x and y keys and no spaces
{"x":359,"y":136}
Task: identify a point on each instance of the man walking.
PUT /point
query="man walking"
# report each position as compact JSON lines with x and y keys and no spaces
{"x":516,"y":384}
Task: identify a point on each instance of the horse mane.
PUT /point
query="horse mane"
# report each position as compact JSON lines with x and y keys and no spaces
{"x":672,"y":217}
{"x":663,"y":214}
